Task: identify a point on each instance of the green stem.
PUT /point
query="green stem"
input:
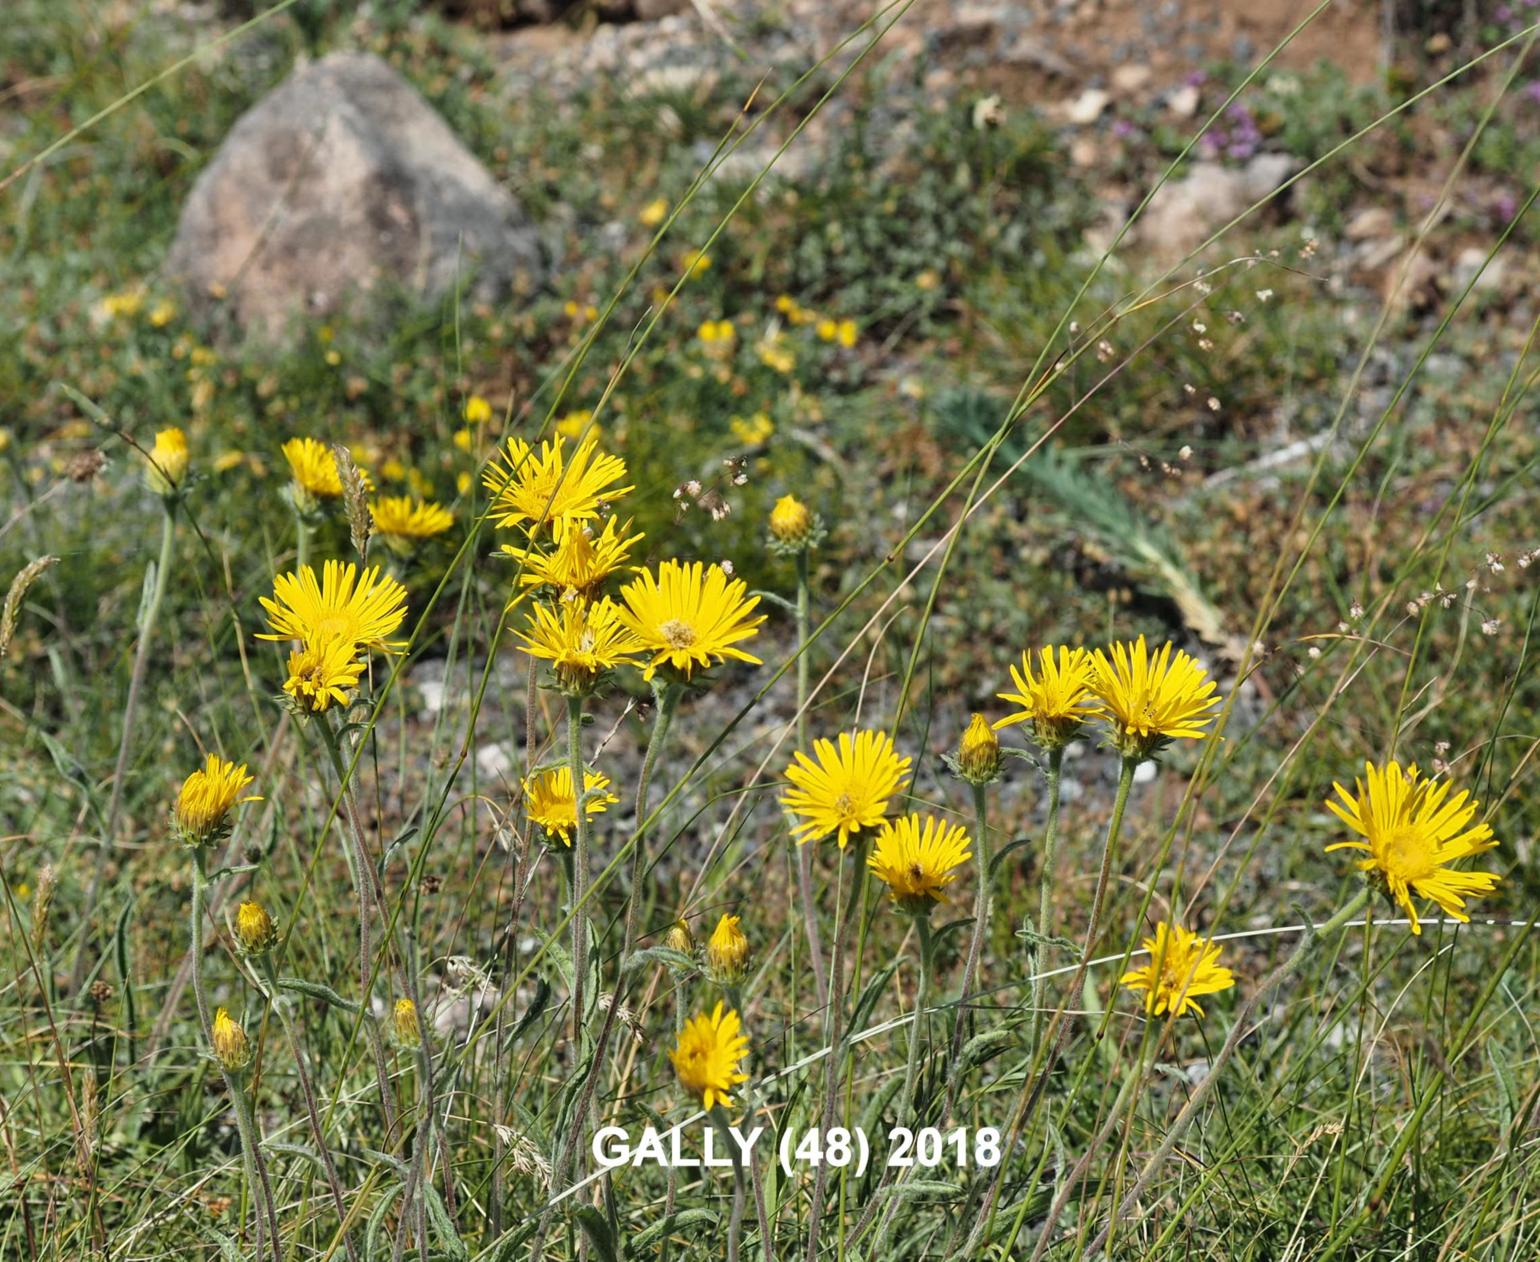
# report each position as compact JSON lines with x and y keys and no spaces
{"x":151,"y":615}
{"x":983,"y":902}
{"x":200,"y":887}
{"x":804,"y":853}
{"x":911,"y":1072}
{"x":579,"y":866}
{"x":1044,"y":924}
{"x":301,"y":543}
{"x":735,"y":1224}
{"x":667,"y":695}
{"x":256,"y":1166}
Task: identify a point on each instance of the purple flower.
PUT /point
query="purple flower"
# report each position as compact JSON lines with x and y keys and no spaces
{"x":1531,"y":90}
{"x":1196,"y":78}
{"x":1123,"y":129}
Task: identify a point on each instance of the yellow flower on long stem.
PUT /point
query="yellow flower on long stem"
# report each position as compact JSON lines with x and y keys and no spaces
{"x":536,"y":487}
{"x":168,"y":462}
{"x":577,"y":560}
{"x":402,"y":521}
{"x":255,"y":932}
{"x":207,"y":797}
{"x":551,"y":803}
{"x":690,"y":616}
{"x":581,"y":639}
{"x":1055,"y":696}
{"x":917,"y":857}
{"x":231,"y":1047}
{"x":1152,"y":700}
{"x":314,"y":467}
{"x":708,"y":1055}
{"x":1412,"y":829}
{"x":1182,"y":966}
{"x":323,"y":674}
{"x":844,"y":790}
{"x":361,"y":609}
{"x":404,"y":1024}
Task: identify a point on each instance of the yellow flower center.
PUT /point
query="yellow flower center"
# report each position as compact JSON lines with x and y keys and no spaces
{"x":676,"y":634}
{"x":844,"y":804}
{"x":1407,"y":855}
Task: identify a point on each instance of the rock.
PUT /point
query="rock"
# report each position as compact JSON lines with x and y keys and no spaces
{"x":1471,"y":265}
{"x":340,"y":178}
{"x":1186,"y":212}
{"x":1087,"y":107}
{"x":1183,"y":101}
{"x":1130,"y":78}
{"x":1366,"y":225}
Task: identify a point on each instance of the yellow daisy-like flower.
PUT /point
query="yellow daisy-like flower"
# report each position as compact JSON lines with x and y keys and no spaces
{"x":168,"y":462}
{"x":314,"y":468}
{"x":844,"y":790}
{"x":477,"y":410}
{"x":532,"y":486}
{"x":1055,"y":696}
{"x":708,"y":1055}
{"x":578,"y":560}
{"x":323,"y":674}
{"x":402,"y":521}
{"x":978,"y":753}
{"x":917,"y":856}
{"x":231,"y":1047}
{"x":1151,"y":700}
{"x":690,"y":615}
{"x":359,"y":609}
{"x":1182,"y":966}
{"x":206,"y":798}
{"x":727,"y":953}
{"x":581,"y":639}
{"x":255,"y":932}
{"x":1412,"y":829}
{"x":551,"y":804}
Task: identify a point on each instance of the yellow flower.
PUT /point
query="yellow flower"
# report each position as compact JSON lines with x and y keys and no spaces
{"x":755,"y":430}
{"x":462,"y":438}
{"x":679,"y":938}
{"x":402,"y":521}
{"x":1150,"y":701}
{"x":126,"y":302}
{"x":575,"y":422}
{"x":846,"y":333}
{"x":978,"y":752}
{"x":777,"y":356}
{"x":204,"y":803}
{"x":403,"y":1022}
{"x":168,"y":462}
{"x":231,"y":1048}
{"x":690,"y":615}
{"x":322,"y":673}
{"x":364,"y":610}
{"x":581,"y":639}
{"x":551,"y":805}
{"x":162,"y":313}
{"x":827,"y":329}
{"x":716,"y":332}
{"x":708,"y":1055}
{"x":578,"y":561}
{"x":1182,"y":966}
{"x":255,"y":931}
{"x":791,"y":521}
{"x":314,"y":468}
{"x":1056,"y":697}
{"x":1412,"y":829}
{"x":917,"y":856}
{"x":844,"y":791}
{"x":697,"y":263}
{"x":535,"y":487}
{"x":727,"y":953}
{"x":477,"y":410}
{"x":654,"y":212}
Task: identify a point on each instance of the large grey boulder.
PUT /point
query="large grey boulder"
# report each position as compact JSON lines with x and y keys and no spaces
{"x":1186,"y":212}
{"x":340,"y":178}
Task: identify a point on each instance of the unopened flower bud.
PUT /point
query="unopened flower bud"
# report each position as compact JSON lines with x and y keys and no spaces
{"x":679,"y":938}
{"x":727,"y":954}
{"x":255,"y":931}
{"x":404,"y":1023}
{"x":978,"y":753}
{"x":231,"y":1047}
{"x":168,"y":462}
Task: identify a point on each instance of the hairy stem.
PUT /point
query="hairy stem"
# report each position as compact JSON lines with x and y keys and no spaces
{"x":668,"y":700}
{"x":983,"y":902}
{"x":804,"y":854}
{"x":1044,"y":924}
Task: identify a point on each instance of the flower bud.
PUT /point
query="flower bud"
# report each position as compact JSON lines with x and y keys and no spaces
{"x":791,"y":522}
{"x":978,"y":753}
{"x":255,"y":932}
{"x":168,"y":462}
{"x":231,"y":1047}
{"x":680,"y":938}
{"x":727,"y":954}
{"x":404,"y":1023}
